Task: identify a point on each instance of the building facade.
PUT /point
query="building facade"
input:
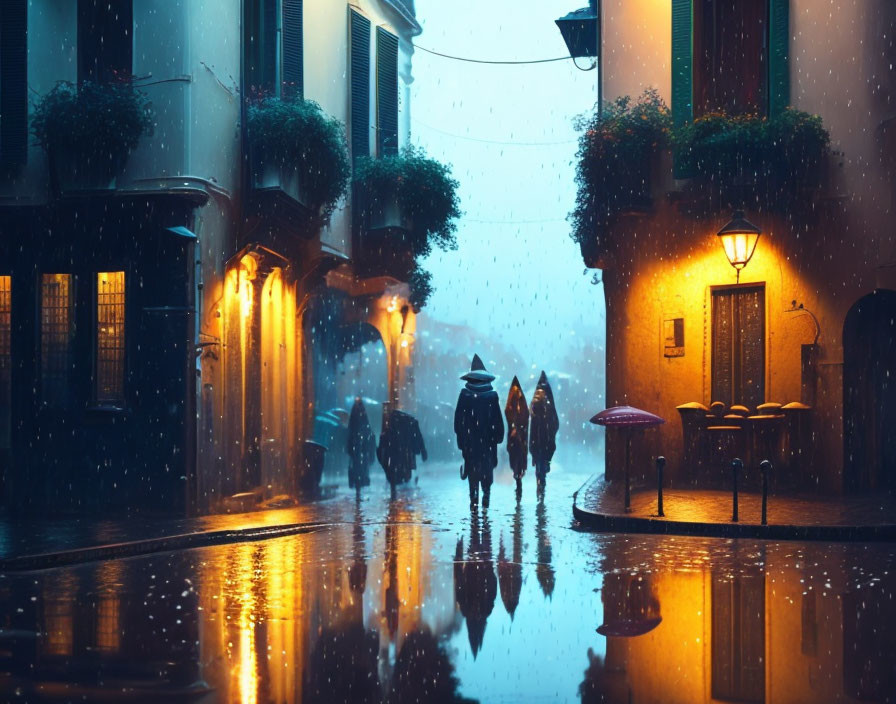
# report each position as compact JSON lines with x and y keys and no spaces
{"x":809,"y":320}
{"x":168,"y":339}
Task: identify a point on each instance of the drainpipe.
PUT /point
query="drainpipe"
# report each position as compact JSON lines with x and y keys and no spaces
{"x":596,"y":8}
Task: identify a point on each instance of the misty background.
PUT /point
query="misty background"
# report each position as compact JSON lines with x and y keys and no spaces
{"x":516,"y":290}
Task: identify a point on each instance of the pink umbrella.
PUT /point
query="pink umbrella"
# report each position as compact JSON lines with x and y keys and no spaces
{"x":627,"y":418}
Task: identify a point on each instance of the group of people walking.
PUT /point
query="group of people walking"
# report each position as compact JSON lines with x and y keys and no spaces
{"x":479,"y":427}
{"x":400,"y":443}
{"x":531,"y":430}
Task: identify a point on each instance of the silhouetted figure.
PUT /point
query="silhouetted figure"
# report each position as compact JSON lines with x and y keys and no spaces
{"x":543,"y":569}
{"x":360,"y":446}
{"x":342,"y":667}
{"x":543,"y":427}
{"x":357,"y":571}
{"x":400,"y":443}
{"x":423,"y":672}
{"x":475,"y":584}
{"x":516,"y":411}
{"x":510,"y":572}
{"x":479,"y":429}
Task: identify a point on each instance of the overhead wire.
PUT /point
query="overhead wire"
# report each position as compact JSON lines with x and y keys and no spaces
{"x":489,"y":61}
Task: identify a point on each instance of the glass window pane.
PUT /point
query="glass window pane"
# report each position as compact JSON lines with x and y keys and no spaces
{"x":5,"y":358}
{"x":110,"y":337}
{"x":56,"y":331}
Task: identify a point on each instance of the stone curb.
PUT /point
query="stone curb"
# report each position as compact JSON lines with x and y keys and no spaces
{"x":621,"y":523}
{"x":61,"y":558}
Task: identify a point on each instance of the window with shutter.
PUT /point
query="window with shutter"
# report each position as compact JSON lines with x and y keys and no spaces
{"x":105,"y":40}
{"x":359,"y":41}
{"x":13,"y":82}
{"x":730,"y":55}
{"x":386,"y":92}
{"x":262,"y":51}
{"x":293,"y":48}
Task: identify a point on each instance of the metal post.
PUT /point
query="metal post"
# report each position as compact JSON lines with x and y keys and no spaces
{"x":628,"y":490}
{"x":736,"y":465}
{"x":660,"y":463}
{"x":765,"y":467}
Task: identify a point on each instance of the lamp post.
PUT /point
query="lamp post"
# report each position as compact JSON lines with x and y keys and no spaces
{"x":739,"y":237}
{"x":581,"y":32}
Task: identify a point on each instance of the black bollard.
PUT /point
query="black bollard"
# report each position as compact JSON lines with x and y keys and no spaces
{"x":736,"y":465}
{"x":765,"y":467}
{"x":660,"y":463}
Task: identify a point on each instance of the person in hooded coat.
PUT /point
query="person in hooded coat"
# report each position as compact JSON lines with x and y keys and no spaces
{"x":479,"y":429}
{"x":360,"y":446}
{"x":516,"y":411}
{"x":400,"y":442}
{"x":543,"y":427}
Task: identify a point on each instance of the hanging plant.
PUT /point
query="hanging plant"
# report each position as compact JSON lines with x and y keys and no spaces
{"x":615,"y":155}
{"x":424,"y":192}
{"x":767,"y":162}
{"x":91,"y":128}
{"x":295,"y":135}
{"x":421,"y":288}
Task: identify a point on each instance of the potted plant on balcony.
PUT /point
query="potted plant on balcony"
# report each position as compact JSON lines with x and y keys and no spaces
{"x":415,"y":193}
{"x":617,"y":153}
{"x":297,"y":148}
{"x":768,"y":161}
{"x":89,"y":130}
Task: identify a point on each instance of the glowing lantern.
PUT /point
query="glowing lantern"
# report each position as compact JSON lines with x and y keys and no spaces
{"x":739,"y":237}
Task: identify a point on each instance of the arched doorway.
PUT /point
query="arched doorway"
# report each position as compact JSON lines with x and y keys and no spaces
{"x":869,"y":393}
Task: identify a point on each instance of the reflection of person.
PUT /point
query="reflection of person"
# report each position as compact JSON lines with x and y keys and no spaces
{"x":342,"y":667}
{"x":423,"y":672}
{"x":360,"y":446}
{"x":475,"y":584}
{"x":543,"y":569}
{"x":543,"y":429}
{"x":400,"y":442}
{"x":517,"y":414}
{"x":479,"y":429}
{"x":510,"y":572}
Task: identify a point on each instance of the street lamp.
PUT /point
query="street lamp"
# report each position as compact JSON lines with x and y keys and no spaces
{"x":579,"y":29}
{"x":739,"y":237}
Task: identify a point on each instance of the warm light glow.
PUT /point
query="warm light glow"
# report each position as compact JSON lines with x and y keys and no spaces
{"x":110,"y":313}
{"x":739,"y":247}
{"x":393,"y":304}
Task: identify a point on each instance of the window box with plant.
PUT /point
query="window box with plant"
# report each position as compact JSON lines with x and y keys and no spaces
{"x":766,"y":163}
{"x":297,"y":149}
{"x":617,"y":155}
{"x":89,"y":131}
{"x":725,"y":161}
{"x":410,"y":205}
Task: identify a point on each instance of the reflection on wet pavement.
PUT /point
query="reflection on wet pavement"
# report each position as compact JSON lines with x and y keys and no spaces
{"x":398,"y":601}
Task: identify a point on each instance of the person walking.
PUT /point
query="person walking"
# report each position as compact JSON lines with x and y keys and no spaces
{"x":516,"y":411}
{"x":543,"y":427}
{"x":360,"y":446}
{"x":479,"y":429}
{"x":400,"y":442}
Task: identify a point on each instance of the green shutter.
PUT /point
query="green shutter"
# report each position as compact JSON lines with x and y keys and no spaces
{"x":386,"y":92}
{"x":778,"y":56}
{"x":359,"y":39}
{"x":293,"y":41}
{"x":13,"y":82}
{"x":682,"y":62}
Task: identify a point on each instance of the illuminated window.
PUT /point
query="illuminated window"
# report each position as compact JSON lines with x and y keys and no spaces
{"x":110,"y":337}
{"x":56,"y":330}
{"x":5,"y":378}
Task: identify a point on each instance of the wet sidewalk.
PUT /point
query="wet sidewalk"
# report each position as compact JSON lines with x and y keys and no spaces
{"x":48,"y":543}
{"x":599,"y":506}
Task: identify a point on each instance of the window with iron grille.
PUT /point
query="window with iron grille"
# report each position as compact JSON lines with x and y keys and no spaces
{"x":5,"y":357}
{"x":56,"y":333}
{"x":109,"y":389}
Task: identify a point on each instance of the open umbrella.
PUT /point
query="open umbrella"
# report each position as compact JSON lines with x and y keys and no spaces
{"x":627,"y":419}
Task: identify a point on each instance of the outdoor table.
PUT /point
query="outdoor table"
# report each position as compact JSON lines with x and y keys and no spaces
{"x":767,"y":431}
{"x":726,"y":443}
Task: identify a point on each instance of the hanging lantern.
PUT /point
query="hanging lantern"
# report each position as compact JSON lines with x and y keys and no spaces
{"x":739,"y":237}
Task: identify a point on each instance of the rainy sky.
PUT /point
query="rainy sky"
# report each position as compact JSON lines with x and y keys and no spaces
{"x":508,"y":133}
